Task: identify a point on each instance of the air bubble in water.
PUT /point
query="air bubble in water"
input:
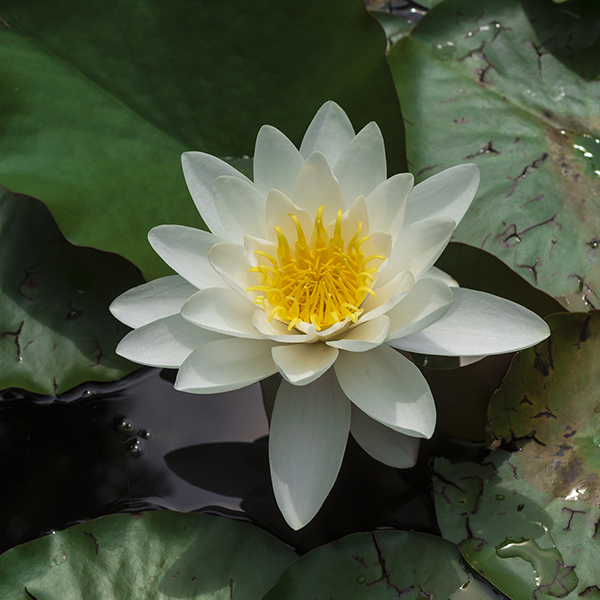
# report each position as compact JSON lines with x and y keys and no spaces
{"x":123,"y":424}
{"x":135,"y":447}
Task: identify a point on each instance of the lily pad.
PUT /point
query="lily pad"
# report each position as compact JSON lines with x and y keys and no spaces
{"x":55,"y":328}
{"x":149,"y":555}
{"x":381,"y":565}
{"x":528,"y":520}
{"x":99,"y":99}
{"x":512,"y":85}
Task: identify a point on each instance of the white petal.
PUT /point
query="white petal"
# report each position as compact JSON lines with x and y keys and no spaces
{"x":316,"y":186}
{"x":253,"y":245}
{"x":225,"y":365}
{"x":165,"y":343}
{"x":301,"y":364}
{"x":308,"y":435}
{"x":277,"y":331}
{"x":330,"y":132}
{"x":418,"y":246}
{"x":427,"y":302}
{"x":152,"y":301}
{"x":229,"y":260}
{"x":389,"y":388}
{"x":390,"y":447}
{"x":276,"y":161}
{"x":378,"y":243}
{"x":241,"y":208}
{"x":279,"y":207}
{"x":447,"y":194}
{"x":435,"y":273}
{"x":224,"y":311}
{"x":387,"y":296}
{"x":200,"y":171}
{"x":324,"y":334}
{"x":364,"y":336}
{"x":185,"y":250}
{"x":354,"y":217}
{"x":362,"y":166}
{"x":478,"y":323}
{"x":386,"y":204}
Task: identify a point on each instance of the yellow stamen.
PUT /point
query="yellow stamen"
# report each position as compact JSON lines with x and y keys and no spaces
{"x":317,"y":283}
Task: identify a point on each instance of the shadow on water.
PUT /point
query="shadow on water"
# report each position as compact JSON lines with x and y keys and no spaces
{"x":99,"y":449}
{"x":137,"y":444}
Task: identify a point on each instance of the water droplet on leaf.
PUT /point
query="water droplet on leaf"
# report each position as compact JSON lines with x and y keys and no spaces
{"x":549,"y":570}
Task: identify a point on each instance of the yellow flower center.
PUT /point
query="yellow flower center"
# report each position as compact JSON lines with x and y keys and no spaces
{"x":320,"y":282}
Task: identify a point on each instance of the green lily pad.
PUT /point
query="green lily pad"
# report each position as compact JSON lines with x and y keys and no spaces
{"x":55,"y":328}
{"x":394,"y":26}
{"x":157,"y":555}
{"x":528,"y":520}
{"x":512,"y":85}
{"x":381,"y":565}
{"x":99,"y":99}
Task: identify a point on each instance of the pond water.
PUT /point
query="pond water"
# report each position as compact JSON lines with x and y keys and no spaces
{"x":137,"y":444}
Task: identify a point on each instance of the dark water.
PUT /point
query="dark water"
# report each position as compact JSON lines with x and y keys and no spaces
{"x":138,"y":444}
{"x":101,"y":448}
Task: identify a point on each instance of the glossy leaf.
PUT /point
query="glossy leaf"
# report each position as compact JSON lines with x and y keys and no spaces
{"x":528,"y":520}
{"x":381,"y":565}
{"x":512,"y":85}
{"x":55,"y":328}
{"x":99,"y":99}
{"x":149,"y":555}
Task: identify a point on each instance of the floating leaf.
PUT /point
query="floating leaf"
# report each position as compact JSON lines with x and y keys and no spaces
{"x":512,"y":85}
{"x":381,"y":565}
{"x":55,"y":328}
{"x":528,"y":520}
{"x":99,"y":99}
{"x":150,"y":555}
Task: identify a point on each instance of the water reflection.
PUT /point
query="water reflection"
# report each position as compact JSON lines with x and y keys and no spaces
{"x":138,"y":444}
{"x":100,"y":448}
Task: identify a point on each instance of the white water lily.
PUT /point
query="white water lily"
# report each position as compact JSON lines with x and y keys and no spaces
{"x":321,"y":269}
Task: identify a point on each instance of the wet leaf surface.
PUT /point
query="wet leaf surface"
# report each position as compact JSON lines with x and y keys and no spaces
{"x":98,"y":100}
{"x":55,"y":328}
{"x":149,"y":555}
{"x":513,"y":86}
{"x":528,"y":520}
{"x":381,"y":565}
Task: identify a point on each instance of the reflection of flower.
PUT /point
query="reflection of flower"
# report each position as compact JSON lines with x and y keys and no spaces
{"x":319,"y":269}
